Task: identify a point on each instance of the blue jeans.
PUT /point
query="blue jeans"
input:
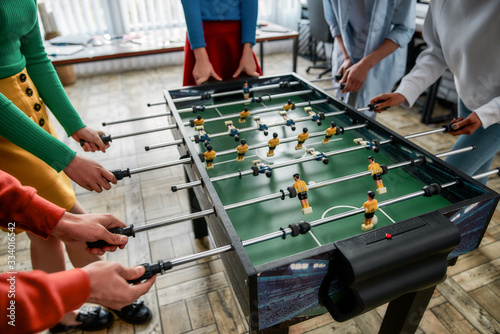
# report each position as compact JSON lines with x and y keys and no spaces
{"x":487,"y":142}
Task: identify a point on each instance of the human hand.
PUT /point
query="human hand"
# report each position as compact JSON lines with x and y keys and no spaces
{"x":345,"y":65}
{"x":93,"y":141}
{"x":465,"y":126}
{"x":247,"y":63}
{"x":354,"y":77}
{"x":109,"y":286}
{"x":203,"y":68}
{"x":89,"y":174}
{"x":386,"y":100}
{"x":90,"y":228}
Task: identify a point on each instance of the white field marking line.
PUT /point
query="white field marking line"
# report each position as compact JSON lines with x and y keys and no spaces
{"x":217,"y":109}
{"x":353,"y":207}
{"x":314,"y":237}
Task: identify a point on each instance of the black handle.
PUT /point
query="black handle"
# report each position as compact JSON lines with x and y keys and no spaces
{"x":128,"y":231}
{"x":449,"y":127}
{"x":105,"y":139}
{"x":151,"y":270}
{"x":120,"y":174}
{"x":338,"y":77}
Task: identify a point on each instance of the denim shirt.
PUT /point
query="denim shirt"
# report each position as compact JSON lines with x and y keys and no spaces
{"x":387,"y":19}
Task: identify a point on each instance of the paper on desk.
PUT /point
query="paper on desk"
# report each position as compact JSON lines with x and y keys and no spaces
{"x":66,"y":50}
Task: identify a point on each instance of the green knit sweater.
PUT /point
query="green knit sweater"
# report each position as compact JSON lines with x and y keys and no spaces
{"x":21,"y":46}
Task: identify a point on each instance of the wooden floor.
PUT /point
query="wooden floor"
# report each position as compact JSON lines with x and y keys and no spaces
{"x":196,"y":298}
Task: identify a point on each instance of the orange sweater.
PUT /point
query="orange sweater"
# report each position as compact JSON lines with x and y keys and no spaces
{"x":34,"y":301}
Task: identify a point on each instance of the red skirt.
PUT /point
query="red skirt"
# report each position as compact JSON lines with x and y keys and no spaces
{"x":224,"y":48}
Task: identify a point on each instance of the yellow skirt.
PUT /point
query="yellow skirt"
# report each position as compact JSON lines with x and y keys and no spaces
{"x":28,"y":169}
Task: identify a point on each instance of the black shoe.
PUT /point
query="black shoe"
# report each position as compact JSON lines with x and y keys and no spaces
{"x":136,"y":313}
{"x":92,"y":319}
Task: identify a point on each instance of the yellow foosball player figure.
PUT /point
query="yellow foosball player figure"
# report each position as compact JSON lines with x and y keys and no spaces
{"x":289,"y":105}
{"x":302,"y":138}
{"x":244,"y":114}
{"x":332,"y":130}
{"x":370,"y":207}
{"x":377,"y":172}
{"x":242,"y":149}
{"x":272,"y":144}
{"x":209,"y":157}
{"x":198,"y":121}
{"x":301,"y":188}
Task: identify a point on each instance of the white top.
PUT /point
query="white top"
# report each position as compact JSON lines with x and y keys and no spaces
{"x":464,"y":36}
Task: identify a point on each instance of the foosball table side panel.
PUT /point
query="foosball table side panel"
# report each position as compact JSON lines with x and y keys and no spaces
{"x":236,"y":263}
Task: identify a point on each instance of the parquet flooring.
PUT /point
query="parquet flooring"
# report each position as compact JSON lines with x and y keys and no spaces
{"x":196,"y":298}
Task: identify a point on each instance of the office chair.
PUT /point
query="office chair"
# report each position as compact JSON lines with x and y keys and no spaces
{"x":320,"y":33}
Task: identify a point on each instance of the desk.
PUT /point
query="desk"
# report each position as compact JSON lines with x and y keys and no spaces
{"x":157,"y":42}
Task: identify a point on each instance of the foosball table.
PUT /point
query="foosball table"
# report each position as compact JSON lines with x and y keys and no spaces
{"x":314,"y":207}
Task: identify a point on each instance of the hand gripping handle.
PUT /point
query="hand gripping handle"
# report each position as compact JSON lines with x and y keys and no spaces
{"x":105,"y":139}
{"x":128,"y":231}
{"x":152,"y":269}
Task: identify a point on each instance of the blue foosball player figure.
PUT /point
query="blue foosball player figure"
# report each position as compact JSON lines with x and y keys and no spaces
{"x":202,"y":135}
{"x":369,"y":145}
{"x":232,"y":130}
{"x":246,"y":91}
{"x":261,"y":126}
{"x":318,"y":155}
{"x":288,"y":121}
{"x":260,"y":168}
{"x":314,"y":116}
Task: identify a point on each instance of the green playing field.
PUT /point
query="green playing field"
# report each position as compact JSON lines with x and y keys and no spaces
{"x":266,"y":217}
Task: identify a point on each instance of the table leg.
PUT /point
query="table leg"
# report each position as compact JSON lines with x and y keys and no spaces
{"x":295,"y":53}
{"x":200,"y":227}
{"x":404,"y":313}
{"x":261,"y":51}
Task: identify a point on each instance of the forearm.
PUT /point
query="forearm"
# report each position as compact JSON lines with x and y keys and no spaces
{"x":249,"y":9}
{"x":385,"y":49}
{"x":22,"y":206}
{"x":340,"y":41}
{"x":489,"y":113}
{"x":23,"y":132}
{"x":41,"y":299}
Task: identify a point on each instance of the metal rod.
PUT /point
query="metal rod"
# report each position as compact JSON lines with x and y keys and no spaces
{"x":491,"y":172}
{"x":254,"y":89}
{"x":170,"y":143}
{"x":174,"y":220}
{"x":300,"y":92}
{"x":457,"y":151}
{"x":159,"y":166}
{"x":130,"y":134}
{"x":321,"y":79}
{"x":424,"y":133}
{"x":134,"y":119}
